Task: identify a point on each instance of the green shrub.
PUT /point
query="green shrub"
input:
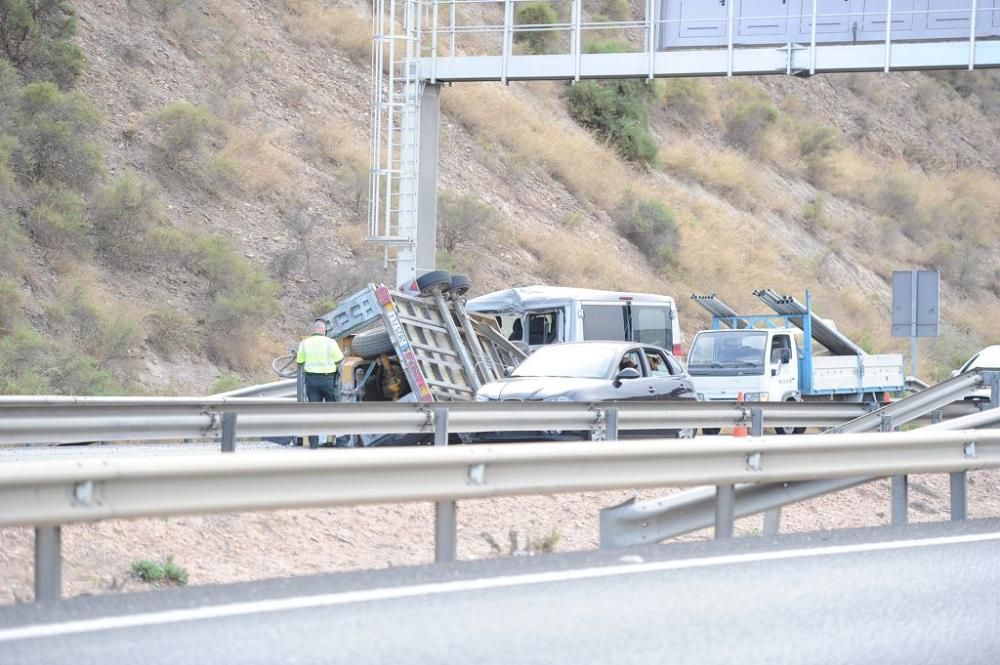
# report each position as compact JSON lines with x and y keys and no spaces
{"x":616,"y":10}
{"x":535,"y":13}
{"x":173,"y":573}
{"x":225,"y":383}
{"x":150,"y":572}
{"x":170,"y":330}
{"x":184,"y":131}
{"x":10,"y":304}
{"x":463,"y":219}
{"x":816,"y":140}
{"x":58,"y":220}
{"x":897,"y":197}
{"x":8,"y":178}
{"x":607,"y":45}
{"x":104,"y":333}
{"x":651,"y":227}
{"x":12,"y":245}
{"x":32,"y":364}
{"x":747,"y":122}
{"x":352,"y":180}
{"x":615,"y":111}
{"x":52,"y":128}
{"x":242,"y":297}
{"x":686,"y":98}
{"x":36,"y":35}
{"x":814,"y":213}
{"x":123,"y":215}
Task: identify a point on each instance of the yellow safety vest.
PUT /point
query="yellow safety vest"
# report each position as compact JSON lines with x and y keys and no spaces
{"x":319,"y":355}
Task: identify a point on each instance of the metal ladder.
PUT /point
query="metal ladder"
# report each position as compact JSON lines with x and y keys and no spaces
{"x":395,"y":131}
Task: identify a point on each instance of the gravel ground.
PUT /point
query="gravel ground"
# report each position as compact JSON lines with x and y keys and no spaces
{"x":251,"y":546}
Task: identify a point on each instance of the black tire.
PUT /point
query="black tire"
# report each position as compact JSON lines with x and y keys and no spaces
{"x":784,"y":431}
{"x":372,"y":343}
{"x":710,"y":431}
{"x":435,"y":279}
{"x":460,"y":285}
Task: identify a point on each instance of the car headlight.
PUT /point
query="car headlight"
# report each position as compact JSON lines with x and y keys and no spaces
{"x":559,"y":398}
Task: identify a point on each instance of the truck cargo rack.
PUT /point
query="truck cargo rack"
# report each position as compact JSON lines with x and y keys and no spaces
{"x":721,"y":312}
{"x":795,"y":312}
{"x":444,"y":353}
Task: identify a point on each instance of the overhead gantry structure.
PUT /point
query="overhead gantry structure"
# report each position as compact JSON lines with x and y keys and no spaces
{"x":420,"y":44}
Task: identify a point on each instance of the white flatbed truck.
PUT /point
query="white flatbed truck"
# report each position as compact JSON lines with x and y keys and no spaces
{"x":772,"y":357}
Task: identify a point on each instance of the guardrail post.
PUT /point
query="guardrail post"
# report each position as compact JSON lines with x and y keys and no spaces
{"x":994,"y":379}
{"x":48,"y":562}
{"x":725,"y":509}
{"x":885,"y":424}
{"x":611,"y":424}
{"x":756,"y":421}
{"x":772,"y":522}
{"x":937,"y":416}
{"x":445,"y":518}
{"x":229,"y":432}
{"x":959,"y":501}
{"x":900,"y":499}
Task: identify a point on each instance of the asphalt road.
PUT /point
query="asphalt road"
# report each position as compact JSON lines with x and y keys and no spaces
{"x":925,"y":594}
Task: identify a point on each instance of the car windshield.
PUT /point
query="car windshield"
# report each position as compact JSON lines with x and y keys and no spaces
{"x":570,"y":360}
{"x":729,"y":348}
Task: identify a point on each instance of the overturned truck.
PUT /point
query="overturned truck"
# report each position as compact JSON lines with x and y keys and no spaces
{"x":422,"y":346}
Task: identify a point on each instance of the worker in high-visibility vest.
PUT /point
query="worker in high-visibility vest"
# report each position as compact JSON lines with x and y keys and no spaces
{"x":319,"y":356}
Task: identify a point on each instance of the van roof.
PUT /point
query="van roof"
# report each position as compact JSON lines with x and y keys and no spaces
{"x":525,"y":297}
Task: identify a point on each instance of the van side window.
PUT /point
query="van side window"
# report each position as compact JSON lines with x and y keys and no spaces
{"x":511,"y":326}
{"x":604,"y":322}
{"x":543,"y":328}
{"x":652,"y":325}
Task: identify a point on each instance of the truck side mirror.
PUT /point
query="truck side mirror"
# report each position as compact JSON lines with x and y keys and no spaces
{"x":786,"y":356}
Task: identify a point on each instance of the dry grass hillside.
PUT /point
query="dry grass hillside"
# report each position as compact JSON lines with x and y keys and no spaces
{"x":218,"y":193}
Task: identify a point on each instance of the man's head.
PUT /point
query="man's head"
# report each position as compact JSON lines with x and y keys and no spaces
{"x":319,"y":327}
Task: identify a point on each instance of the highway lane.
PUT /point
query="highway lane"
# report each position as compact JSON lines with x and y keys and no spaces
{"x":923,"y":594}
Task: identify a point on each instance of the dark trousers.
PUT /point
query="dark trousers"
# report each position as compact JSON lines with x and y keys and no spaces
{"x":321,"y":388}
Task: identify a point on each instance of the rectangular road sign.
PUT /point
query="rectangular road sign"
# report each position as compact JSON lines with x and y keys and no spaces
{"x":915,"y":303}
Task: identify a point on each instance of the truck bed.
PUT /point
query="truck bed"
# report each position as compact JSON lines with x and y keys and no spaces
{"x":856,"y":374}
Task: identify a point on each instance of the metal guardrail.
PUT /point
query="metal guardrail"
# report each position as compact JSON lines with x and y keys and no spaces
{"x":62,"y":492}
{"x":656,"y":520}
{"x":51,"y":493}
{"x":73,"y":420}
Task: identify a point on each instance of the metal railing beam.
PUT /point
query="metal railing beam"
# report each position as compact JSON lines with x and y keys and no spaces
{"x":54,"y":492}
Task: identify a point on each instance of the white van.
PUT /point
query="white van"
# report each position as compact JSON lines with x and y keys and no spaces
{"x":538,"y":315}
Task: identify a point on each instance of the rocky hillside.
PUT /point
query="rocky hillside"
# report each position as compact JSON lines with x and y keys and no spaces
{"x":184,"y":185}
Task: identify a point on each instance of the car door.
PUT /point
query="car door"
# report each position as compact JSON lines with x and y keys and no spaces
{"x":633,"y":389}
{"x":667,"y":376}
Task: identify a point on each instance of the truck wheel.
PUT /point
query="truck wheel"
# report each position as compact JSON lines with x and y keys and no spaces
{"x":789,"y":430}
{"x":460,"y":285}
{"x":372,"y":343}
{"x":435,"y":279}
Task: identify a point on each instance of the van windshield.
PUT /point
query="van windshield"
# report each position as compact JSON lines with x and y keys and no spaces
{"x":724,"y":351}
